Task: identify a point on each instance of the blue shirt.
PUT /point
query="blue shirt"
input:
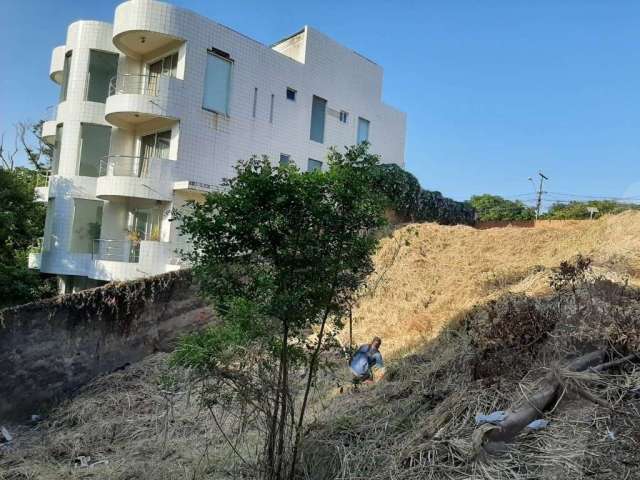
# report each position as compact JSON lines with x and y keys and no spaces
{"x":363,"y":360}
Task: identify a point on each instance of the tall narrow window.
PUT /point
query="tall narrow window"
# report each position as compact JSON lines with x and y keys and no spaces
{"x":363,"y":130}
{"x":285,"y":159}
{"x":255,"y":101}
{"x":217,"y":83}
{"x":318,"y":110}
{"x":271,"y":108}
{"x":65,"y":77}
{"x":94,"y":147}
{"x":48,"y":225}
{"x":55,"y":164}
{"x":87,"y":223}
{"x":103,"y":66}
{"x":314,"y":165}
{"x":291,"y":94}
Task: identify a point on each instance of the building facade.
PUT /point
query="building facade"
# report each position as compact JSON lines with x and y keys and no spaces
{"x":158,"y":107}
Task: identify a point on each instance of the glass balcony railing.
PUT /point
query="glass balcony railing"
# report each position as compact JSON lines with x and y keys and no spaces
{"x":125,"y":166}
{"x":116,"y":250}
{"x":151,"y":84}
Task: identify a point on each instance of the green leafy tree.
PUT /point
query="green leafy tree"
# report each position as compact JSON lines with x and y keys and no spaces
{"x":408,"y":200}
{"x":579,"y":210}
{"x":279,"y":253}
{"x":21,"y":222}
{"x":493,"y":207}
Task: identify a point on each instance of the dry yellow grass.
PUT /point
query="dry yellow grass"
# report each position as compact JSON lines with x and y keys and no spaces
{"x":428,"y":274}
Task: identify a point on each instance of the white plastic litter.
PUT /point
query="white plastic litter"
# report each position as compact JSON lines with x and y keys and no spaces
{"x":5,"y":436}
{"x":538,"y":424}
{"x":494,"y":417}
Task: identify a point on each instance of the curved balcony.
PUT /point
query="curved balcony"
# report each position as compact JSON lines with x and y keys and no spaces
{"x":143,"y":27}
{"x":134,"y":176}
{"x":56,"y":70}
{"x":130,"y":259}
{"x":49,"y":125}
{"x":134,"y":99}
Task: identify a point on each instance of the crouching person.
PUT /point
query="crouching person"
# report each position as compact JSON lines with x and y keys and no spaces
{"x":366,"y":365}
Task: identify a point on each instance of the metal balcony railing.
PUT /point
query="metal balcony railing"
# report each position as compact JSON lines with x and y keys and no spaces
{"x":125,"y":166}
{"x":150,"y":84}
{"x":37,"y":246}
{"x":116,"y":250}
{"x":42,"y":178}
{"x":51,"y":112}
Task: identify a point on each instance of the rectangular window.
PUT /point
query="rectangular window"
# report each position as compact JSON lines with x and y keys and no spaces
{"x":167,"y":66}
{"x":271,"y":108}
{"x":55,"y":164}
{"x":291,"y":94}
{"x":87,"y":223}
{"x":145,"y":224}
{"x":94,"y":147}
{"x":285,"y":159}
{"x":318,"y":111}
{"x":343,"y":116}
{"x":103,"y":66}
{"x":363,"y":130}
{"x":156,"y":145}
{"x":65,"y":77}
{"x":217,"y":82}
{"x":314,"y":165}
{"x":49,"y":220}
{"x":255,"y":101}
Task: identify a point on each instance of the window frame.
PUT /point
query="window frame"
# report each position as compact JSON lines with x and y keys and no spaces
{"x":214,"y":52}
{"x":358,"y":141}
{"x":325,"y":104}
{"x":319,"y":165}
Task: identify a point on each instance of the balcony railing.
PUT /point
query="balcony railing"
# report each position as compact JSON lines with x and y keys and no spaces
{"x":150,"y":84}
{"x":116,"y":250}
{"x":37,"y":246}
{"x":42,"y":179}
{"x":125,"y":166}
{"x":51,"y":112}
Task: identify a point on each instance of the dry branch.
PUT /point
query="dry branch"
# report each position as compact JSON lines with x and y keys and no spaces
{"x":492,"y":438}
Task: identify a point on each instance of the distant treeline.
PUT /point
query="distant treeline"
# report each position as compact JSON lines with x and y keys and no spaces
{"x":412,"y":203}
{"x":495,"y":208}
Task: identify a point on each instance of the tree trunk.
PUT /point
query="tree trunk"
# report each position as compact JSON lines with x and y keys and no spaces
{"x":492,"y":438}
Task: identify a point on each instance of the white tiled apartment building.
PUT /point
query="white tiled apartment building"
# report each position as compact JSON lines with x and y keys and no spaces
{"x":158,"y":107}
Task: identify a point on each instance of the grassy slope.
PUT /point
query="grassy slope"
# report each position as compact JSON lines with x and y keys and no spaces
{"x":418,"y":422}
{"x":444,"y":271}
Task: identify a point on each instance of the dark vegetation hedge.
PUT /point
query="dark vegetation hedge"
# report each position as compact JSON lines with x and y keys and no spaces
{"x":412,"y":203}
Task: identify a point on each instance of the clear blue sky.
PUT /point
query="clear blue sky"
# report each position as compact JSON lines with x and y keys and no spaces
{"x":494,"y":90}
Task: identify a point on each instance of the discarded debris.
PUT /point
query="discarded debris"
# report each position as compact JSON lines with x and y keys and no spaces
{"x":493,"y":417}
{"x":5,"y":436}
{"x":82,"y":461}
{"x":538,"y":424}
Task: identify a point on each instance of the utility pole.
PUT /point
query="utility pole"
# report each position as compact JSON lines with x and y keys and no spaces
{"x":539,"y":193}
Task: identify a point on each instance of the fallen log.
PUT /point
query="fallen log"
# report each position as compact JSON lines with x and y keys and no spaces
{"x":492,"y":438}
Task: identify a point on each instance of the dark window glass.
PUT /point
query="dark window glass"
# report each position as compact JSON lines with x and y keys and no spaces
{"x":103,"y":66}
{"x":285,"y":159}
{"x":291,"y":94}
{"x":65,"y":77}
{"x":94,"y":147}
{"x":318,"y":111}
{"x":314,"y":165}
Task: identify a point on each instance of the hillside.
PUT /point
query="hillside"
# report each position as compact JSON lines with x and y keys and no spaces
{"x":428,"y":274}
{"x":470,"y":323}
